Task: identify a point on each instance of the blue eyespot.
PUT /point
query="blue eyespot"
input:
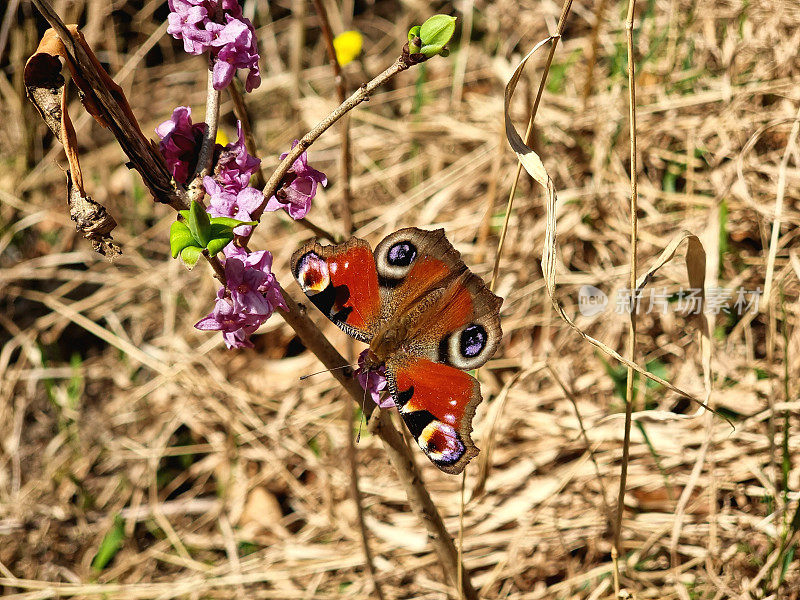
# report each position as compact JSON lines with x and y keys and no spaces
{"x":401,"y":254}
{"x":472,"y":340}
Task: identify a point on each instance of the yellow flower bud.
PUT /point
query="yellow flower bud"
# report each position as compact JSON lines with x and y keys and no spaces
{"x":347,"y":46}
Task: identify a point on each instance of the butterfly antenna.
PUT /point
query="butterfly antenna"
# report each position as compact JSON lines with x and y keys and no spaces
{"x":327,"y":371}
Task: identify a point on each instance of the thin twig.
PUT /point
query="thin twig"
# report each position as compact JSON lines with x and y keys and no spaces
{"x":243,"y":115}
{"x":219,"y":270}
{"x":206,"y":153}
{"x":362,"y":94}
{"x":634,"y":224}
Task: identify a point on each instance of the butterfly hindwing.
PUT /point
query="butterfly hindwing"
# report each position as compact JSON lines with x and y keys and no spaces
{"x":342,"y":282}
{"x":437,"y":403}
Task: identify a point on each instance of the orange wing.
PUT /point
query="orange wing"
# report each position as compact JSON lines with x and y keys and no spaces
{"x":437,"y":403}
{"x":342,"y":282}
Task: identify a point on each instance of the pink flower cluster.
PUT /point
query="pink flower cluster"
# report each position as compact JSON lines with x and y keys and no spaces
{"x":250,"y":296}
{"x":298,"y":188}
{"x":217,"y":26}
{"x":229,"y":190}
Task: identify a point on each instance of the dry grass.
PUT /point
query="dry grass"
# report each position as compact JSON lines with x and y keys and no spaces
{"x":226,"y":477}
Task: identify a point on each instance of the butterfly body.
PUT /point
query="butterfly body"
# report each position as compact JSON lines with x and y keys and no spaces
{"x":426,"y":318}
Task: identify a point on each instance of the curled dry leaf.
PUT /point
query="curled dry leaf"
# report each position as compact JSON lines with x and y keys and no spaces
{"x":695,"y":262}
{"x":46,"y":89}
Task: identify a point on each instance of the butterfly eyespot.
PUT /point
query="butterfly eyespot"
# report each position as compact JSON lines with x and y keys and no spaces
{"x":441,"y":443}
{"x":312,"y":273}
{"x":394,"y":258}
{"x":402,"y":254}
{"x":466,"y":348}
{"x":472,"y":340}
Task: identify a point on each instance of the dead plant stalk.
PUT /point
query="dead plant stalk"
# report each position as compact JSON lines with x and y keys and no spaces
{"x":616,"y":551}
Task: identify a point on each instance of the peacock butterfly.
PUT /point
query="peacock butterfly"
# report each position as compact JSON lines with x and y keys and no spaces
{"x":426,"y":318}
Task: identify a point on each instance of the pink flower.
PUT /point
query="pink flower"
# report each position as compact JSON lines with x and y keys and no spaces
{"x":239,"y":205}
{"x":237,"y":49}
{"x":252,"y":285}
{"x":373,"y":381}
{"x":180,"y":141}
{"x":228,"y":36}
{"x":187,"y":21}
{"x":235,"y":327}
{"x":298,"y":189}
{"x":250,"y":296}
{"x":235,"y":166}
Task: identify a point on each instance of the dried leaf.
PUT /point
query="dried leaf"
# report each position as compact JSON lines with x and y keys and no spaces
{"x":46,"y":89}
{"x":92,"y":219}
{"x":695,"y":260}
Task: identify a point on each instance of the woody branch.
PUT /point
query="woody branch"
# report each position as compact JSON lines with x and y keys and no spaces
{"x":151,"y":166}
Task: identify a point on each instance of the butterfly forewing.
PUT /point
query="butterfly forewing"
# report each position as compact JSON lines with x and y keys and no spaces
{"x":342,"y":282}
{"x":455,"y":316}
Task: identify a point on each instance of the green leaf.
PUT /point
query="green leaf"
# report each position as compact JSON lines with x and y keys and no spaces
{"x":413,"y":32}
{"x":190,"y":255}
{"x":220,"y":230}
{"x":199,"y":223}
{"x":110,"y":545}
{"x":179,"y":238}
{"x":184,"y":214}
{"x":435,"y":33}
{"x":787,"y":561}
{"x":230,"y":222}
{"x":216,"y":245}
